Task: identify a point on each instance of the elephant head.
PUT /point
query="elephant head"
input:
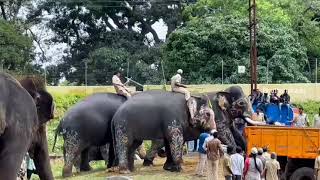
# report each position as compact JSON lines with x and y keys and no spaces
{"x":228,"y":105}
{"x":43,"y":100}
{"x":204,"y":115}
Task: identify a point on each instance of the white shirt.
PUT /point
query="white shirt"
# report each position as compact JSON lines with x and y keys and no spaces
{"x":301,"y":121}
{"x":116,"y":80}
{"x":237,"y":164}
{"x":175,"y":79}
{"x":316,"y":121}
{"x":204,"y":146}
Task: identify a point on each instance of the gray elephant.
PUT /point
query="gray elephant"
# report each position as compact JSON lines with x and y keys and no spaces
{"x":227,"y":105}
{"x":154,"y":115}
{"x":88,"y":125}
{"x":25,"y":107}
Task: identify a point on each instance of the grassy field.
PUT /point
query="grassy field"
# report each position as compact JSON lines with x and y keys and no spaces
{"x":142,"y":173}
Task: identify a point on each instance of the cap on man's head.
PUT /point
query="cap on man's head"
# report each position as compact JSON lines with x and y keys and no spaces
{"x":179,"y":71}
{"x":260,"y":150}
{"x":273,"y":155}
{"x":254,"y":150}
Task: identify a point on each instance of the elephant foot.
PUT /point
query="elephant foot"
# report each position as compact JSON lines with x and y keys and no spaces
{"x":172,"y":167}
{"x":112,"y":169}
{"x":124,"y":170}
{"x":86,"y":168}
{"x":67,"y":171}
{"x":147,"y":162}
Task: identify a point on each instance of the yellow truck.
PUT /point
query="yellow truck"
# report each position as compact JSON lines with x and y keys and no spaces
{"x":296,"y":148}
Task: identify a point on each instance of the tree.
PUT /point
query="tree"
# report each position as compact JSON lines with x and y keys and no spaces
{"x":200,"y":47}
{"x":15,"y":48}
{"x":87,"y":26}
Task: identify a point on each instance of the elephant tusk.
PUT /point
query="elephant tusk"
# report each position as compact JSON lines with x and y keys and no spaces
{"x":252,"y":122}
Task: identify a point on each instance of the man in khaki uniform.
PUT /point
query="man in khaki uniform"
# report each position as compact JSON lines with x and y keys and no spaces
{"x":177,"y":86}
{"x":214,"y":153}
{"x":272,"y":169}
{"x":120,"y":88}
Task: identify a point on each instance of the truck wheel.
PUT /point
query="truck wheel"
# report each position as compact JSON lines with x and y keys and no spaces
{"x":303,"y":173}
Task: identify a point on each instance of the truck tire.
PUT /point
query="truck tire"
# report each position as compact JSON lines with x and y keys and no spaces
{"x":304,"y":173}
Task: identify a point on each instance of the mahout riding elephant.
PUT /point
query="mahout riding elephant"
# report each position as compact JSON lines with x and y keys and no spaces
{"x":153,"y":115}
{"x":87,"y":125}
{"x":227,"y":105}
{"x":23,"y":118}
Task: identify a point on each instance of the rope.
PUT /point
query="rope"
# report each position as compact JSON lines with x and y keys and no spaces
{"x":209,"y":102}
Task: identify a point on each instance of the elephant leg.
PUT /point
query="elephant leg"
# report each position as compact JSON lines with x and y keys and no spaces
{"x":175,"y":142}
{"x":131,"y":153}
{"x":12,"y":151}
{"x":77,"y":163}
{"x":169,"y":161}
{"x":151,"y":154}
{"x":122,"y":145}
{"x":71,"y":152}
{"x":111,"y":157}
{"x":84,"y":166}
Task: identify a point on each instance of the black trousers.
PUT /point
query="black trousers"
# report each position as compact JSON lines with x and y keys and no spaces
{"x":237,"y":177}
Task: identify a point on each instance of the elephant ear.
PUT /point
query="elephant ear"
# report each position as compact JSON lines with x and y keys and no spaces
{"x":223,"y":99}
{"x":45,"y":106}
{"x":37,"y":89}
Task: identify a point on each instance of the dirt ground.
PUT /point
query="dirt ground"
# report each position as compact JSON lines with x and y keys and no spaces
{"x":142,"y":173}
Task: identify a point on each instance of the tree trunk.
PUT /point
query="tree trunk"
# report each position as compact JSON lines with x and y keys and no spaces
{"x":3,"y":11}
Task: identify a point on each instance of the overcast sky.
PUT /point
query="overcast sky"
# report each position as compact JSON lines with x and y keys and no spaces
{"x":54,"y":52}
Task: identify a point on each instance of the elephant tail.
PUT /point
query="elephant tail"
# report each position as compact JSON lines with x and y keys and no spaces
{"x":58,"y":131}
{"x":3,"y":123}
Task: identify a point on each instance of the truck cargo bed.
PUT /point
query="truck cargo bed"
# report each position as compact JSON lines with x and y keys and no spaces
{"x":285,"y":141}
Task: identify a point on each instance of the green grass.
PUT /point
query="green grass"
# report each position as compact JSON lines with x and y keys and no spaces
{"x":142,"y":173}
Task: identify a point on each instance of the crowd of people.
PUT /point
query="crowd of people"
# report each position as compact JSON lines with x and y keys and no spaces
{"x":259,"y":165}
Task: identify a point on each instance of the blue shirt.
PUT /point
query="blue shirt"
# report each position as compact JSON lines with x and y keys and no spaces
{"x":202,"y":138}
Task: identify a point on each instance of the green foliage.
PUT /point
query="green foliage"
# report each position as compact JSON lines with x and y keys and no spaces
{"x":91,"y":27}
{"x":15,"y":48}
{"x":200,"y":47}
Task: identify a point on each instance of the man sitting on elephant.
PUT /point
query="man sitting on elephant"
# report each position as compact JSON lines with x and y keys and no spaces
{"x":120,"y":88}
{"x":177,"y":86}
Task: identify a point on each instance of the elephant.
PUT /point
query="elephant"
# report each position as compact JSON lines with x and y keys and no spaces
{"x":25,"y":107}
{"x":87,"y":125}
{"x":227,"y":105}
{"x":153,"y":115}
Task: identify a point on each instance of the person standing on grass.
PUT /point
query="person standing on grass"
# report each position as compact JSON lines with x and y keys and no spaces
{"x":214,"y":153}
{"x":237,"y":164}
{"x":266,"y":154}
{"x":317,"y":166}
{"x":202,"y":155}
{"x":253,"y":168}
{"x":272,"y":169}
{"x":227,"y":163}
{"x":263,"y":160}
